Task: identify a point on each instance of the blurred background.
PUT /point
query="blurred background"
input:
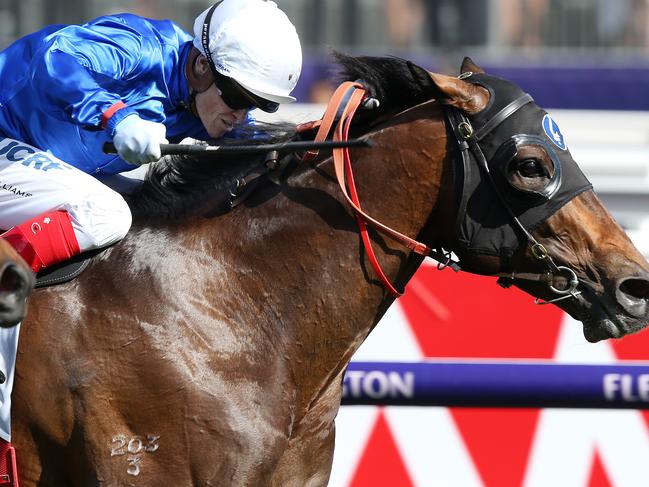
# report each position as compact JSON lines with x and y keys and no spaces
{"x":587,"y":62}
{"x":574,"y":41}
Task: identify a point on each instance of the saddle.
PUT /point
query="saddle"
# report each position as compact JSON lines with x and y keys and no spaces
{"x":66,"y":271}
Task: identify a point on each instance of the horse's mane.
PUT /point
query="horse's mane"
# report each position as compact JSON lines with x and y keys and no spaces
{"x":397,"y":83}
{"x":178,"y":187}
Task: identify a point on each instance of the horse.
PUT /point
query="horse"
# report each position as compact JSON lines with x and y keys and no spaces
{"x":16,"y":284}
{"x":208,"y":347}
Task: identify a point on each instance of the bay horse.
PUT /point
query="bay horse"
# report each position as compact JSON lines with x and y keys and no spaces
{"x":16,"y":283}
{"x":208,"y":348}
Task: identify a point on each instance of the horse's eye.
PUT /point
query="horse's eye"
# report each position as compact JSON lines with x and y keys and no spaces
{"x":530,"y":168}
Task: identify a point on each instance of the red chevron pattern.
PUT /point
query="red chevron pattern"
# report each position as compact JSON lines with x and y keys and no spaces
{"x":459,"y":315}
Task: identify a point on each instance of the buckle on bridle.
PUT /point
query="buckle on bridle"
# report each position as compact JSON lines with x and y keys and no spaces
{"x":539,"y":251}
{"x":465,"y":130}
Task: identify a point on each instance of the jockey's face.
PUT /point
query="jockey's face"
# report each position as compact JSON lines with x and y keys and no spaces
{"x":217,"y":117}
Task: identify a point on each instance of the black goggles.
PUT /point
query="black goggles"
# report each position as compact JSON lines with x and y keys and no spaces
{"x":234,"y":95}
{"x":237,"y":97}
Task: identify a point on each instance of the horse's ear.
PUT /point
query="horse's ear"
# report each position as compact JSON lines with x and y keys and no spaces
{"x":464,"y":96}
{"x":468,"y":66}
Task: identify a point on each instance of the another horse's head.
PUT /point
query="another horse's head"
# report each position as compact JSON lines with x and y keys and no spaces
{"x":16,"y":283}
{"x":527,"y":213}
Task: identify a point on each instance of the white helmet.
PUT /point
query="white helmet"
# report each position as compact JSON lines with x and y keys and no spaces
{"x":254,"y":43}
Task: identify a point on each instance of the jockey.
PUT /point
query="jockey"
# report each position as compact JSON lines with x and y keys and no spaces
{"x":66,"y":90}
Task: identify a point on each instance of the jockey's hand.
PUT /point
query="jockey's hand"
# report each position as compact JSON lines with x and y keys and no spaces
{"x":138,"y":141}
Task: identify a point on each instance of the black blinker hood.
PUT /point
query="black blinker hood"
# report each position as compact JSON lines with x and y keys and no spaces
{"x":484,"y":225}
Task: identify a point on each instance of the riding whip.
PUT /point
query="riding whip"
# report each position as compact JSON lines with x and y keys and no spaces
{"x":196,"y":149}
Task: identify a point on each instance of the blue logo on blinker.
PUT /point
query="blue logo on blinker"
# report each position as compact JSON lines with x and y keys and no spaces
{"x":551,"y":129}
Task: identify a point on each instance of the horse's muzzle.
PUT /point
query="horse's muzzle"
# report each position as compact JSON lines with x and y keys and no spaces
{"x":16,"y":283}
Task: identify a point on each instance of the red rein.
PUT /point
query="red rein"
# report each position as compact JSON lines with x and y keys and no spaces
{"x":348,"y":97}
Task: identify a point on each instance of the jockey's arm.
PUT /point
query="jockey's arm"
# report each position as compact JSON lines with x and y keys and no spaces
{"x":65,"y":74}
{"x":74,"y":73}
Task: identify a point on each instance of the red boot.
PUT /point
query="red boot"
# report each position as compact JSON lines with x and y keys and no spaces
{"x":45,"y":240}
{"x":8,"y":467}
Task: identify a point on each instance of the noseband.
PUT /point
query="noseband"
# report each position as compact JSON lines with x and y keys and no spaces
{"x":469,"y":144}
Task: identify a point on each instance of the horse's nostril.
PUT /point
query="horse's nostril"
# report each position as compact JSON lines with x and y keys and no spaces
{"x":637,"y":288}
{"x":13,"y":280}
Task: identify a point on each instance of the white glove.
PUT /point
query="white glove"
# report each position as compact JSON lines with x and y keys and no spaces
{"x":138,"y":141}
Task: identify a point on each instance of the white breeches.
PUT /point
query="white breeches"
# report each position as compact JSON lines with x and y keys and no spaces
{"x":33,"y":182}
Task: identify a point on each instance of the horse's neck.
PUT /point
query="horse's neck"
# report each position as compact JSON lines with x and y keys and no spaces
{"x":282,"y":282}
{"x":316,"y":274}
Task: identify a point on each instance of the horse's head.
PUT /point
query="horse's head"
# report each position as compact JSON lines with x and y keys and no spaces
{"x":16,"y":283}
{"x":527,"y":213}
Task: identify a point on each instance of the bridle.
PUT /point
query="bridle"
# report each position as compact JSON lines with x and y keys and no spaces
{"x":339,"y":114}
{"x":468,"y":140}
